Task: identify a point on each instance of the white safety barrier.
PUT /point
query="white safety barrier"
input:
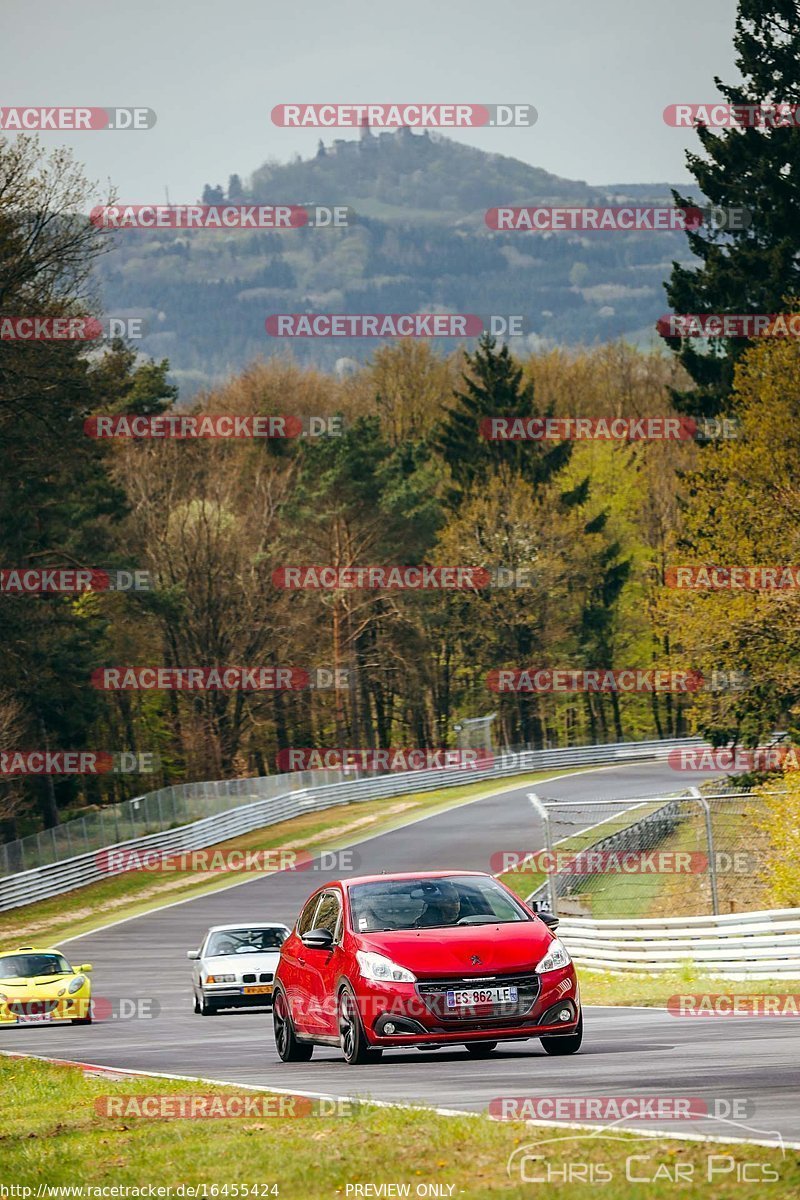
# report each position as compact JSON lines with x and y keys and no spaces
{"x":69,"y":872}
{"x":752,"y":945}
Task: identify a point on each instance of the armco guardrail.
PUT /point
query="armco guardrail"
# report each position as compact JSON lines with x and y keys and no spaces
{"x":253,"y":804}
{"x":753,"y":945}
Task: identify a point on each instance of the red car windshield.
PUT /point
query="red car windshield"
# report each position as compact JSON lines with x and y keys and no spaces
{"x":401,"y":904}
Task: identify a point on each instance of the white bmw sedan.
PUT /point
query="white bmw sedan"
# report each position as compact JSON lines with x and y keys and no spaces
{"x":235,"y":967}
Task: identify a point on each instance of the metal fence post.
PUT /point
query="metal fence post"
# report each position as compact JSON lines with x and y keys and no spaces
{"x":544,"y":815}
{"x":696,"y":794}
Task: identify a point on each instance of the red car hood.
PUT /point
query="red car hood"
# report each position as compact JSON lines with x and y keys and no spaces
{"x":503,"y":948}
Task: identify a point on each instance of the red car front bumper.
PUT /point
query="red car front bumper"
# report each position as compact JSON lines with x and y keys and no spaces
{"x":400,"y":1014}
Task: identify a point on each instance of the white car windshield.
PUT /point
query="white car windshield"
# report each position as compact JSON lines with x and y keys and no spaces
{"x":244,"y":941}
{"x":29,"y":966}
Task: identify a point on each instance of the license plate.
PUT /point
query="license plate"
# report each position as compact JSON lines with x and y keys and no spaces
{"x":34,"y":1018}
{"x":266,"y":990}
{"x":471,"y":997}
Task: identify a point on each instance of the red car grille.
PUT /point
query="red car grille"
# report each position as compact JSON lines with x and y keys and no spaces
{"x":432,"y":993}
{"x":31,"y":1008}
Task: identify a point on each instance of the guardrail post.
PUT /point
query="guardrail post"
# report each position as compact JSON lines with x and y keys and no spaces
{"x":544,"y":815}
{"x":696,"y":794}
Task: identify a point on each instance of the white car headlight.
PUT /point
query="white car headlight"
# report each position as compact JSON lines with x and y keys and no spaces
{"x":555,"y":958}
{"x":77,"y":984}
{"x":382,"y":969}
{"x":221,"y":979}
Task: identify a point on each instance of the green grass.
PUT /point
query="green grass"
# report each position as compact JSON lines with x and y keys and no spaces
{"x":51,"y":1133}
{"x":136,"y":892}
{"x":653,"y":991}
{"x":665,"y":895}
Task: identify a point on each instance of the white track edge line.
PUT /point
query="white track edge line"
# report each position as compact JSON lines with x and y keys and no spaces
{"x":444,"y":1112}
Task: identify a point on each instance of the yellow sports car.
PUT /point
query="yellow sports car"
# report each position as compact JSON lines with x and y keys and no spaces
{"x":39,"y":986}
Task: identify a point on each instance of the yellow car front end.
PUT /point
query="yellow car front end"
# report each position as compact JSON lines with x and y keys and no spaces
{"x":39,"y":987}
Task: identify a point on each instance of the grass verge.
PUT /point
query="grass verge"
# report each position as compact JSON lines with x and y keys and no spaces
{"x":51,"y":1134}
{"x":135,"y":892}
{"x":653,"y":991}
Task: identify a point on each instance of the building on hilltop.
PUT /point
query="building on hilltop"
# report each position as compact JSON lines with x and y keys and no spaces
{"x":369,"y":142}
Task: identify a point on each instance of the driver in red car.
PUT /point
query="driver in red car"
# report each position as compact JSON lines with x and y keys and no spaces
{"x":442,"y":906}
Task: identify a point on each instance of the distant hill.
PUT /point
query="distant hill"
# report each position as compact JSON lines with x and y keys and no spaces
{"x":416,"y":173}
{"x":419,"y":243}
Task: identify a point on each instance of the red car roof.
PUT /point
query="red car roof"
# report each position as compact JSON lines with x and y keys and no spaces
{"x":346,"y":883}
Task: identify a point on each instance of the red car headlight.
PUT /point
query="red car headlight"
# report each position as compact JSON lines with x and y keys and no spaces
{"x":381,"y":969}
{"x":555,"y":958}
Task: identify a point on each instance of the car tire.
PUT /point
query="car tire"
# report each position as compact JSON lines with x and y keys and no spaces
{"x":207,"y":1009}
{"x":480,"y":1049}
{"x":355,"y":1047}
{"x":81,"y":1021}
{"x":286,"y":1043}
{"x":561,"y":1043}
{"x":196,"y":1008}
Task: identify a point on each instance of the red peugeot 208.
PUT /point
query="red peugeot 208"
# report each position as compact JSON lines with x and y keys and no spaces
{"x":426,"y":959}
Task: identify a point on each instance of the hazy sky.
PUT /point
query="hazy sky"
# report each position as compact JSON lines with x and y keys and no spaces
{"x":599,"y":72}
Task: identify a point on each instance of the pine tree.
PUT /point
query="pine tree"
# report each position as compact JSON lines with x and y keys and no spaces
{"x":753,"y":270}
{"x":495,"y":388}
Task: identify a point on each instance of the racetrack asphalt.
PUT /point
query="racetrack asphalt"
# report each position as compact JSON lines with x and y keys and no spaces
{"x":626,"y":1051}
